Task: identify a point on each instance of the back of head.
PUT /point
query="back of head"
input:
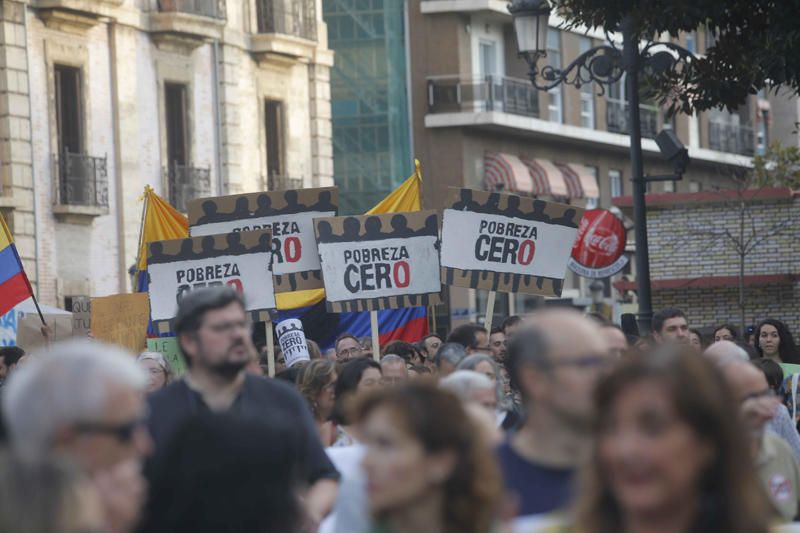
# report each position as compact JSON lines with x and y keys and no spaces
{"x":452,"y":352}
{"x":392,"y":359}
{"x":772,"y":371}
{"x":350,"y":375}
{"x":466,"y":335}
{"x":402,"y":349}
{"x":66,"y":385}
{"x":722,"y":352}
{"x":473,"y":360}
{"x":463,"y":383}
{"x":11,"y":354}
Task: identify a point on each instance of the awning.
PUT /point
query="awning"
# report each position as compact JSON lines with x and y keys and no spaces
{"x":580,"y":181}
{"x":548,"y":180}
{"x":505,"y":172}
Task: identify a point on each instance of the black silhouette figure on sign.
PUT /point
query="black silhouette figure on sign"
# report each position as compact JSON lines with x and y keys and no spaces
{"x":324,"y":203}
{"x":352,"y":228}
{"x":292,"y":206}
{"x":157,"y":252}
{"x":465,"y":203}
{"x":209,"y":213}
{"x":513,"y":209}
{"x":325,"y":232}
{"x":492,"y":204}
{"x":568,"y":219}
{"x":207,"y":244}
{"x":431,"y":226}
{"x":538,"y":213}
{"x":372,"y":229}
{"x":187,"y":251}
{"x":264,"y":206}
{"x":241,"y":211}
{"x":400,"y":227}
{"x":235,"y":245}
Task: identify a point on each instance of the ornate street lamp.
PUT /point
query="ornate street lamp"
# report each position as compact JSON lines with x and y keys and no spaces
{"x":604,"y":65}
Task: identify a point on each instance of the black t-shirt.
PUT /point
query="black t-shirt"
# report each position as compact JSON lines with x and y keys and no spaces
{"x":261,"y":399}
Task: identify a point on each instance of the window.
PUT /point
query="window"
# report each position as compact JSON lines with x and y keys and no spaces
{"x":177,"y":126}
{"x":592,"y":203}
{"x":669,"y":186}
{"x":273,"y":129}
{"x":587,"y":91}
{"x":695,"y":186}
{"x":615,"y":183}
{"x":554,"y":59}
{"x":68,"y":110}
{"x":488,"y":58}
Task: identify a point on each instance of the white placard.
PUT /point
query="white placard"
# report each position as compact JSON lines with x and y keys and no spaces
{"x":496,"y":243}
{"x":380,"y":268}
{"x":248,"y":273}
{"x":292,"y":238}
{"x":292,"y":340}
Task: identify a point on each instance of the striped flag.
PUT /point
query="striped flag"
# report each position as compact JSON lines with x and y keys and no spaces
{"x":14,"y":284}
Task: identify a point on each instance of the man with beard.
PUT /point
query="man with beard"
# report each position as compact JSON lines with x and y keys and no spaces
{"x":213,"y":332}
{"x":556,"y":361}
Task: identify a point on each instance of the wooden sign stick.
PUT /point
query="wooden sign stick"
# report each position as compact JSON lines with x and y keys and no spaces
{"x":487,"y":323}
{"x":270,"y":349}
{"x":376,"y":338}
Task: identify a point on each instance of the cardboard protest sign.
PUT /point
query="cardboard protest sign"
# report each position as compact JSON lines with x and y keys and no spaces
{"x":289,"y":214}
{"x":122,"y":320}
{"x":292,"y":340}
{"x":29,"y":330}
{"x":507,"y":243}
{"x":241,"y":260}
{"x":380,"y":261}
{"x":168,"y":347}
{"x":81,"y":315}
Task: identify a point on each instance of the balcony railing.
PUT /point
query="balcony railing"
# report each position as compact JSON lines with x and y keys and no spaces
{"x":187,"y":183}
{"x":82,"y":180}
{"x":493,"y":93}
{"x":617,"y":118}
{"x":204,"y":8}
{"x":731,"y":138}
{"x":288,"y":17}
{"x":283,"y":183}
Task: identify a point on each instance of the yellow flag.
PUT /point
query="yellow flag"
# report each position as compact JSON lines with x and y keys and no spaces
{"x":160,"y":222}
{"x":407,"y":197}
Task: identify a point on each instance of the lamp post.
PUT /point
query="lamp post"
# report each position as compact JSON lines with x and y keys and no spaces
{"x":605,"y":65}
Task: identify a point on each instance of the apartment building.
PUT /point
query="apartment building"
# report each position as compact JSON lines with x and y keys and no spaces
{"x":99,"y":98}
{"x":478,"y":122}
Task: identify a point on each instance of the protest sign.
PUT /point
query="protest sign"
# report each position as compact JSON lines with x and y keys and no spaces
{"x":288,"y":214}
{"x":29,"y":329}
{"x":380,"y":261}
{"x":8,"y":328}
{"x":121,"y":319}
{"x":81,"y":315}
{"x":168,"y":347}
{"x":241,"y":260}
{"x":507,"y":243}
{"x":292,"y":340}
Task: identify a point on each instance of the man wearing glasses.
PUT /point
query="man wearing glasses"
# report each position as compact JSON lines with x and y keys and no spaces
{"x":347,"y":348}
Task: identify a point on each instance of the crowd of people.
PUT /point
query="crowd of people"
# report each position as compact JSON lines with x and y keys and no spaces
{"x":556,"y":422}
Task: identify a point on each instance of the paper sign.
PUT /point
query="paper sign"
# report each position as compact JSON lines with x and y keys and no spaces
{"x":507,"y":243}
{"x":288,"y":214}
{"x":81,"y":315}
{"x":292,"y":340}
{"x":8,"y":328}
{"x":29,"y":330}
{"x":380,"y":261}
{"x":789,"y":369}
{"x":168,"y":347}
{"x":122,"y":320}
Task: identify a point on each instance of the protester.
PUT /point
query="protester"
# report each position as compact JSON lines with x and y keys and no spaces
{"x":670,"y":325}
{"x":772,"y":456}
{"x":313,"y":350}
{"x":726,"y":332}
{"x":9,"y":357}
{"x":510,"y":325}
{"x":419,"y":371}
{"x":781,"y":424}
{"x":318,"y":386}
{"x":725,"y":350}
{"x":497,"y":344}
{"x":214,"y":335}
{"x":406,"y":350}
{"x":505,"y":414}
{"x":348,"y":347}
{"x":356,"y":377}
{"x":393,"y":369}
{"x":471,"y":336}
{"x":430,"y":344}
{"x":774,"y":340}
{"x":448,"y":357}
{"x":426,"y":470}
{"x":472,"y":387}
{"x":696,"y":339}
{"x":616,"y":339}
{"x":668,"y":455}
{"x":366,"y":347}
{"x":85,"y":400}
{"x":228,"y":473}
{"x":280,"y":362}
{"x":555,"y":362}
{"x":158,"y":370}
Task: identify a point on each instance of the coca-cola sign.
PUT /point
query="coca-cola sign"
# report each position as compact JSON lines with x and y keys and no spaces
{"x":599,"y":245}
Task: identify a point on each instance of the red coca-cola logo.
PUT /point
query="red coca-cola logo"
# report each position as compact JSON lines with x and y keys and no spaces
{"x":600,"y":240}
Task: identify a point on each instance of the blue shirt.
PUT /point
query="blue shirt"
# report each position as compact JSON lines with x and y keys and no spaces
{"x":540,"y":488}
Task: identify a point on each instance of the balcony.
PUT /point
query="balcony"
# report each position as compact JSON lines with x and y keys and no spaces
{"x":283,"y":183}
{"x":452,"y":94}
{"x":75,"y":16}
{"x":81,"y":185}
{"x":183,"y":25}
{"x":731,"y":138}
{"x":186,"y":183}
{"x":202,"y":8}
{"x":617,"y":118}
{"x":286,"y":29}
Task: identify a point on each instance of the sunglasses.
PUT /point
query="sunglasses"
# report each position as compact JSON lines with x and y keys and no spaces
{"x":122,"y":432}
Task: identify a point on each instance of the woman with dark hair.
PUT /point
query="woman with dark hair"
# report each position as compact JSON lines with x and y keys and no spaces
{"x":668,"y":455}
{"x":696,"y":339}
{"x":356,"y":377}
{"x":425,"y":469}
{"x":781,"y":423}
{"x":774,"y":341}
{"x":317,"y":384}
{"x":726,"y":332}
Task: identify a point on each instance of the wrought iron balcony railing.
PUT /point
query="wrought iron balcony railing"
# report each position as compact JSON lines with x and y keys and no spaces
{"x":617,"y":118}
{"x":187,"y":183}
{"x":289,"y":17}
{"x":283,"y":183}
{"x":82,"y":180}
{"x":204,"y":8}
{"x":448,"y":94}
{"x":732,"y":138}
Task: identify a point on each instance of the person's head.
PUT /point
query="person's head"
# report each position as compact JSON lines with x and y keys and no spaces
{"x":356,"y":377}
{"x":9,"y":357}
{"x":615,"y":338}
{"x":670,"y":325}
{"x":347,"y":347}
{"x":448,"y":357}
{"x":555,"y":363}
{"x":696,"y":339}
{"x":510,"y":325}
{"x":82,"y":398}
{"x":157,"y":369}
{"x":497,"y":344}
{"x":317,"y":384}
{"x":724,"y":351}
{"x":431,"y":345}
{"x":666,"y":443}
{"x":483,"y":364}
{"x":420,"y":445}
{"x":394,"y":370}
{"x":213,"y":332}
{"x":472,"y":387}
{"x":726,"y":332}
{"x":772,"y":371}
{"x":471,"y":336}
{"x":774,"y":340}
{"x":749,"y":384}
{"x":419,"y":371}
{"x":227,"y":473}
{"x":406,"y":350}
{"x":313,"y":350}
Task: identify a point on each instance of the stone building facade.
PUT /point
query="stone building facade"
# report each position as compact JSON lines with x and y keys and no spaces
{"x":99,"y":98}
